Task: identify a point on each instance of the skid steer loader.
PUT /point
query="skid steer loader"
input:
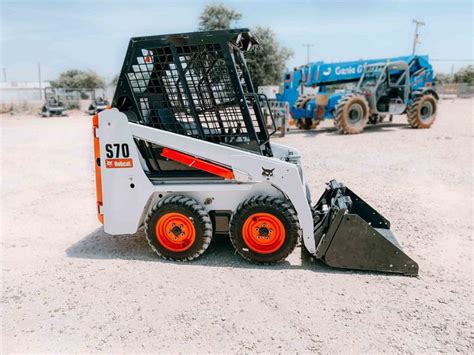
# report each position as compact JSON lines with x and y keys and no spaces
{"x":53,"y":105}
{"x":185,"y":152}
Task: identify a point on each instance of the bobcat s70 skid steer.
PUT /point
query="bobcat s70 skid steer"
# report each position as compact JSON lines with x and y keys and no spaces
{"x":185,"y":151}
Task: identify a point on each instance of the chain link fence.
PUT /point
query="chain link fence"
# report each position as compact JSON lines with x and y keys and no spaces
{"x":453,"y":90}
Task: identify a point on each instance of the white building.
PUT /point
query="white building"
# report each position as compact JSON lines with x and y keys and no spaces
{"x":22,"y":91}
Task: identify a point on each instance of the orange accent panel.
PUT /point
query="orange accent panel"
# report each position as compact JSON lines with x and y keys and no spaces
{"x":98,"y":177}
{"x":197,"y":163}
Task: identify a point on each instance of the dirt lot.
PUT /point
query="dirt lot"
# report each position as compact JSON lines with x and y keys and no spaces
{"x":68,"y":287}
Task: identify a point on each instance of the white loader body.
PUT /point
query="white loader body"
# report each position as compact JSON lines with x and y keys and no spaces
{"x":127,"y":192}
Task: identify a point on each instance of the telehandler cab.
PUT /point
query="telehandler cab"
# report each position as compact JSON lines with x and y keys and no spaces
{"x":185,"y":151}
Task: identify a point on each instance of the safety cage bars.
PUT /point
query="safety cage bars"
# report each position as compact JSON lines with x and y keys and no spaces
{"x":194,"y":84}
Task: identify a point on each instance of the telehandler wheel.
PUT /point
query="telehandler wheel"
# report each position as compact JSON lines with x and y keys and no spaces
{"x":178,"y":228}
{"x":308,"y":123}
{"x":352,"y":114}
{"x":305,"y":123}
{"x":422,"y":112}
{"x":264,"y":229}
{"x":303,"y":100}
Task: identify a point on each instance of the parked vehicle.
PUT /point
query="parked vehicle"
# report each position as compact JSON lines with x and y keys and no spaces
{"x":53,"y":105}
{"x":383,"y":87}
{"x":97,"y":105}
{"x":187,"y":154}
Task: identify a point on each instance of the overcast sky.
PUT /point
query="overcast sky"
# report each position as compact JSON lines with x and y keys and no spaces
{"x":94,"y":34}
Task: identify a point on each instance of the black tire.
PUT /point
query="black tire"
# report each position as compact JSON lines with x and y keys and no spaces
{"x":422,"y":111}
{"x":374,"y":119}
{"x":272,"y":207}
{"x":303,"y":100}
{"x":306,"y":123}
{"x":352,"y":114}
{"x":199,"y":222}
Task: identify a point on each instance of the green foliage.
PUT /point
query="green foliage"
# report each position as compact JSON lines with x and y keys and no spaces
{"x":73,"y":105}
{"x":442,"y":78}
{"x":217,"y":17}
{"x":115,"y":80}
{"x":465,"y":75}
{"x":267,"y":61}
{"x":79,"y":79}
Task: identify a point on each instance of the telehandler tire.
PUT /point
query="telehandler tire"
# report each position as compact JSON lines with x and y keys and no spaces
{"x":264,"y":229}
{"x":304,"y":123}
{"x":303,"y":100}
{"x":422,"y":112}
{"x":308,"y":123}
{"x":178,"y":228}
{"x":352,"y":114}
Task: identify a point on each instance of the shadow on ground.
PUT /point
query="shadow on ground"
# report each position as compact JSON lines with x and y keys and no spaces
{"x":378,"y":128}
{"x":99,"y":245}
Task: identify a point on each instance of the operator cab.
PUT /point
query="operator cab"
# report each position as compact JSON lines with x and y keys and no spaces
{"x":386,"y":87}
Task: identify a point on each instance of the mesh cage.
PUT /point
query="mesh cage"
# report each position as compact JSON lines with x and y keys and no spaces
{"x":196,"y":85}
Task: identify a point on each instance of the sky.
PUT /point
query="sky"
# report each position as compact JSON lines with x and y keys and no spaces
{"x":94,"y":34}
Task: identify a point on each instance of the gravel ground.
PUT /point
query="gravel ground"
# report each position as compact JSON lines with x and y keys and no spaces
{"x":68,"y":287}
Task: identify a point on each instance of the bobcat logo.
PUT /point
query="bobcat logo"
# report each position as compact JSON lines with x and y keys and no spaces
{"x":267,"y":172}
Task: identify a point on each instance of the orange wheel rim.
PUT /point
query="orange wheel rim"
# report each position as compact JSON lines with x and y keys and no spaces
{"x":175,"y":232}
{"x":263,"y":233}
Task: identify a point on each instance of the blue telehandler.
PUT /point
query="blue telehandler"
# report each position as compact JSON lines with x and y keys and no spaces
{"x":384,"y":87}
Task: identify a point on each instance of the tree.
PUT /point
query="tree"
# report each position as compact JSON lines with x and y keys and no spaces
{"x":266,"y":62}
{"x":79,"y":79}
{"x":115,"y":80}
{"x":465,"y":75}
{"x":217,"y":17}
{"x":442,"y":78}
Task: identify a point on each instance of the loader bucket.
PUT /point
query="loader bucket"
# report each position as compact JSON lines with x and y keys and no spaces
{"x":350,"y":234}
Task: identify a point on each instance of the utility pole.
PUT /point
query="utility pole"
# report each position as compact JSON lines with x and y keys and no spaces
{"x":4,"y":70}
{"x":308,"y":46}
{"x":39,"y":81}
{"x":416,"y":38}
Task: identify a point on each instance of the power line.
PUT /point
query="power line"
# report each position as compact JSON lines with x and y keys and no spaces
{"x":452,"y":60}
